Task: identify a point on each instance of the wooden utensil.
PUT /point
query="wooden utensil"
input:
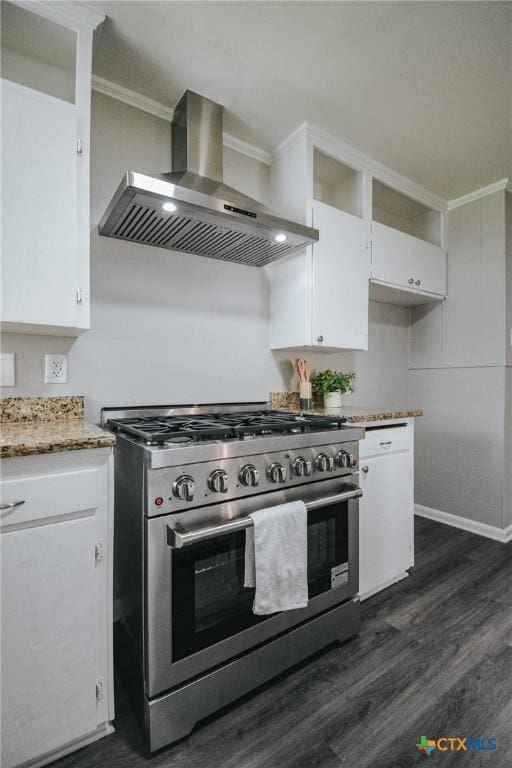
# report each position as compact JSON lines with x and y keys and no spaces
{"x":303,"y":371}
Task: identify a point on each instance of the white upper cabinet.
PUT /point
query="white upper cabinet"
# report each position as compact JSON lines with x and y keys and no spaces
{"x":39,"y":174}
{"x":45,"y":103}
{"x":319,"y":298}
{"x":340,"y":279}
{"x":408,"y":264}
{"x":375,"y":243}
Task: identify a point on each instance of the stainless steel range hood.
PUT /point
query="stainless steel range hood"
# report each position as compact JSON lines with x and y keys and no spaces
{"x":191,"y":209}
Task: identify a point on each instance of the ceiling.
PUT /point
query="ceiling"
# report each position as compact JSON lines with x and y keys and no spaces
{"x":424,"y":87}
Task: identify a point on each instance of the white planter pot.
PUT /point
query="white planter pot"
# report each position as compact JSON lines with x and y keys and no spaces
{"x":332,"y":400}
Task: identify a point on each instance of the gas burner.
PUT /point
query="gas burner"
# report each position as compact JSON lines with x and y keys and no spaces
{"x":179,"y":440}
{"x":183,"y":429}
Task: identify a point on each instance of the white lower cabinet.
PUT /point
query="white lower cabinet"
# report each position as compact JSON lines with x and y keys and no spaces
{"x":57,"y":691}
{"x":386,"y":509}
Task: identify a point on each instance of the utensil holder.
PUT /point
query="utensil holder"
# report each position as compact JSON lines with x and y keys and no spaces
{"x":305,"y":396}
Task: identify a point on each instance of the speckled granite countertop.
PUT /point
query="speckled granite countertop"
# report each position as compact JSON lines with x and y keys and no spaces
{"x":289,"y":401}
{"x":357,"y":415}
{"x":32,"y":425}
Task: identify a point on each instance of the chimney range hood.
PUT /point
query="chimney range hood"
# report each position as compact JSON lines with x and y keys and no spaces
{"x":191,"y":209}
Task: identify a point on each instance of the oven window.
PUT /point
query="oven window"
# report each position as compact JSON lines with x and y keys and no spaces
{"x":210,"y":602}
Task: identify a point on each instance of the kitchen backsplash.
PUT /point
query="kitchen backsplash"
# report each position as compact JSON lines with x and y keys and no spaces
{"x":18,"y":410}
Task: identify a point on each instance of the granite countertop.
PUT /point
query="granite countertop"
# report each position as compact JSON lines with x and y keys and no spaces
{"x":32,"y":425}
{"x":289,"y":401}
{"x":358,"y":414}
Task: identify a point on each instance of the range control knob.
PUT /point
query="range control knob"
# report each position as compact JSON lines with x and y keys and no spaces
{"x":218,"y":481}
{"x":277,"y":473}
{"x":344,"y":459}
{"x":183,"y":488}
{"x":324,"y":463}
{"x":249,"y":475}
{"x":301,"y":466}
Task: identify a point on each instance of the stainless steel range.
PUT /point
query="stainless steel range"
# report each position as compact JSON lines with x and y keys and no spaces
{"x":186,"y":478}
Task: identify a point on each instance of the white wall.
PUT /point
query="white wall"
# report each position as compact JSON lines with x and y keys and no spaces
{"x":459,"y":441}
{"x":507,"y":474}
{"x":381,"y":372}
{"x":173,"y":328}
{"x":459,"y":351}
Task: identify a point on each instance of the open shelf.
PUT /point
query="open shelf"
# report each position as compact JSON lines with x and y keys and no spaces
{"x":396,"y":210}
{"x":38,"y":53}
{"x":336,"y":184}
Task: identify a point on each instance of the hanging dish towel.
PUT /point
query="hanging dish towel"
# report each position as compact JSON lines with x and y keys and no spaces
{"x":276,"y":558}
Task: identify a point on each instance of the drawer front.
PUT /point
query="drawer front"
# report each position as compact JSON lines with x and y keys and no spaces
{"x":381,"y":441}
{"x":46,"y":496}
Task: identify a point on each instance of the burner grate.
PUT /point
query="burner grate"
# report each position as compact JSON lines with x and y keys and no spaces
{"x":222,"y":426}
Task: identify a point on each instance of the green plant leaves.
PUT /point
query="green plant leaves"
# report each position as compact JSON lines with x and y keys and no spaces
{"x":332,"y":381}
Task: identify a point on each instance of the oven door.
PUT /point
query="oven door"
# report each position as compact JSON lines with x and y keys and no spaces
{"x":198,"y":612}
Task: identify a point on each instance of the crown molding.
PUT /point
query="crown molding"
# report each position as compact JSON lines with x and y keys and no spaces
{"x":66,"y":12}
{"x":261,"y":155}
{"x":133,"y":99}
{"x":298,"y":135}
{"x":137,"y":100}
{"x":478,"y":193}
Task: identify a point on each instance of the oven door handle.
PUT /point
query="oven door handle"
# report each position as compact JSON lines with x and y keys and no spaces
{"x":179,"y":537}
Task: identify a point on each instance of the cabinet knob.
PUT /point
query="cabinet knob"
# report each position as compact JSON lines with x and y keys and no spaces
{"x":365,"y":468}
{"x":418,"y":282}
{"x":411,"y":281}
{"x":320,"y":338}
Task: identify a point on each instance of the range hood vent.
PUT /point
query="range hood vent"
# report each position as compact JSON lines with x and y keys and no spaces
{"x":191,"y":209}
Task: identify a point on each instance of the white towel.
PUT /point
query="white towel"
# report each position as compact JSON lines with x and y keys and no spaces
{"x":276,"y":558}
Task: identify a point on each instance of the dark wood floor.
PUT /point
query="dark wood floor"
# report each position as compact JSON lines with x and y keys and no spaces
{"x":434,"y":657}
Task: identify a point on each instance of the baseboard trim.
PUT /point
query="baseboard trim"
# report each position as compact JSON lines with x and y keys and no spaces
{"x":102,"y":730}
{"x":384,"y":585}
{"x":504,"y":535}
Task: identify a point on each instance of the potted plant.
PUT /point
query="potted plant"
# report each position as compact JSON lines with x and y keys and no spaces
{"x":331,"y":385}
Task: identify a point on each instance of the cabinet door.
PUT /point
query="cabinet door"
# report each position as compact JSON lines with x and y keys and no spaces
{"x":39,"y":209}
{"x":385,"y":521}
{"x":48,"y":637}
{"x":391,"y":255}
{"x":428,"y":263}
{"x":340,"y":279}
{"x":407,"y":261}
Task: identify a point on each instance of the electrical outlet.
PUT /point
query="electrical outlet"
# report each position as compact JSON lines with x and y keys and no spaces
{"x":55,"y":369}
{"x":7,"y":370}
